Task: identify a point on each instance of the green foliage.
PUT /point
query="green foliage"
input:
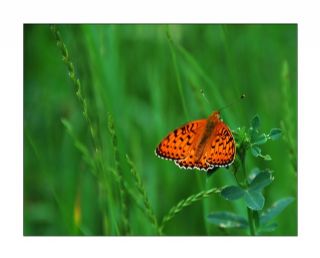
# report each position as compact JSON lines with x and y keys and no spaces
{"x":275,"y":134}
{"x":259,"y":139}
{"x":251,"y":190}
{"x":94,"y":93}
{"x":255,"y":123}
{"x":275,"y":210}
{"x":232,"y":192}
{"x":227,"y":220}
{"x":256,"y":151}
{"x":254,"y":200}
{"x":260,"y":181}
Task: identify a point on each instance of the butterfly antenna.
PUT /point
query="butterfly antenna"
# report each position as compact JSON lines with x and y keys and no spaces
{"x":231,"y":104}
{"x":204,"y":96}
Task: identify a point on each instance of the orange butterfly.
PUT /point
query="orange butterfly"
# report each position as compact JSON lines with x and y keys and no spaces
{"x":202,"y":144}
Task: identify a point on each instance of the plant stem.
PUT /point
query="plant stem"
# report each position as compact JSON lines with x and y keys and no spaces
{"x":120,"y":176}
{"x":251,"y":222}
{"x":148,"y":209}
{"x":242,"y":154}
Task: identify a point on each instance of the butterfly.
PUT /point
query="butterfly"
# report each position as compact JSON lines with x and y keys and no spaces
{"x":204,"y":144}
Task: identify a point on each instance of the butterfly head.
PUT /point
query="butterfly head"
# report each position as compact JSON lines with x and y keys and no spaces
{"x":215,"y":117}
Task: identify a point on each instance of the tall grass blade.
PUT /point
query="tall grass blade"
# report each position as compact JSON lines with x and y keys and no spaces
{"x":118,"y":170}
{"x":187,"y":202}
{"x":176,"y":69}
{"x":148,"y":209}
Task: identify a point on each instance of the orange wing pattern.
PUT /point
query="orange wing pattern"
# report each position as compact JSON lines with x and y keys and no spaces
{"x":220,"y":150}
{"x":178,"y":144}
{"x":201,"y":144}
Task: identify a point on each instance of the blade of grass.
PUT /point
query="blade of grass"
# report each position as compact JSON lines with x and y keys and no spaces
{"x":288,"y":117}
{"x":187,"y":202}
{"x":217,"y":98}
{"x":176,"y":69}
{"x":118,"y":169}
{"x":148,"y":209}
{"x":96,"y":155}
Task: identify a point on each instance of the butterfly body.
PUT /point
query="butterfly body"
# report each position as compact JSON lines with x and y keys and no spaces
{"x":201,"y":144}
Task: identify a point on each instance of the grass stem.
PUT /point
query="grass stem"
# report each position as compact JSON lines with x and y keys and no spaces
{"x":187,"y":202}
{"x":96,"y":154}
{"x":176,"y":69}
{"x":119,"y":172}
{"x":148,"y":209}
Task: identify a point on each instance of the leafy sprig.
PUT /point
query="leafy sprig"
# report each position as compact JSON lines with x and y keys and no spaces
{"x":252,"y":188}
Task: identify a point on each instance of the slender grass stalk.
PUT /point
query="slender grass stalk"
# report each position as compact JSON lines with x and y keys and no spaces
{"x":79,"y":145}
{"x":288,"y":116}
{"x":129,"y":191}
{"x":204,"y":107}
{"x":44,"y":168}
{"x":174,"y":59}
{"x":187,"y":202}
{"x":76,"y":81}
{"x":148,"y":211}
{"x":196,"y":67}
{"x":232,"y":66}
{"x":97,"y":155}
{"x":79,"y":93}
{"x":119,"y":172}
{"x":251,"y":219}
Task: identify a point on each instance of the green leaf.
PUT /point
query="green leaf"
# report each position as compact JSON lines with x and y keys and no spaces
{"x":232,"y":193}
{"x":225,"y":219}
{"x":266,"y":157}
{"x":254,"y":200}
{"x":254,"y":135}
{"x":261,"y":139}
{"x":254,"y":172}
{"x":275,"y":133}
{"x":268,"y":228}
{"x":255,"y":122}
{"x":261,"y":181}
{"x":256,"y":151}
{"x":67,"y":125}
{"x":275,"y":210}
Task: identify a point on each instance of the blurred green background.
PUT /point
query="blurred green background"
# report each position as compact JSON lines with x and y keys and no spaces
{"x":149,"y":78}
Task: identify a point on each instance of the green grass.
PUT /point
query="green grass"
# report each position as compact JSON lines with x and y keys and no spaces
{"x":99,"y":98}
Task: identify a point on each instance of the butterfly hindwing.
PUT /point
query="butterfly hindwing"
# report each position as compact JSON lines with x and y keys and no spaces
{"x":220,"y":150}
{"x":190,"y":163}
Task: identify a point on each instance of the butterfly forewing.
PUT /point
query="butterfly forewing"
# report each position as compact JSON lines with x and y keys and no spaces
{"x":179,"y":143}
